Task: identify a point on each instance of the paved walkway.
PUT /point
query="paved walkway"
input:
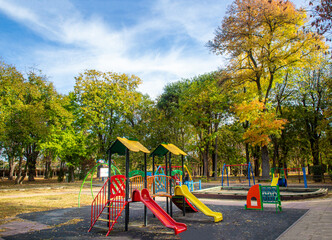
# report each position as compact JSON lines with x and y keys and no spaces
{"x":316,"y":224}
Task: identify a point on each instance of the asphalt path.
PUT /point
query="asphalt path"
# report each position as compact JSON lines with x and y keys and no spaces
{"x":237,"y":224}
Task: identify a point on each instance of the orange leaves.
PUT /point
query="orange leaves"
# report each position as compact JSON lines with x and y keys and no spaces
{"x":248,"y":111}
{"x":262,"y":123}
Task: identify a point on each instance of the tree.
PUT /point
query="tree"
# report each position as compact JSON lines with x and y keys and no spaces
{"x":73,"y":149}
{"x":171,"y":123}
{"x":204,"y":106}
{"x":38,"y":115}
{"x":263,"y":38}
{"x":322,"y":12}
{"x":61,"y":116}
{"x":11,"y":99}
{"x":104,"y":99}
{"x":314,"y":102}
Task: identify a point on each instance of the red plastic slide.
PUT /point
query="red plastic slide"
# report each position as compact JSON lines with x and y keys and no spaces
{"x":158,"y":211}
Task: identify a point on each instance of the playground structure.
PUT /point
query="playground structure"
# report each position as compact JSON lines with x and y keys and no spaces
{"x":250,"y":173}
{"x":91,"y":173}
{"x":119,"y":191}
{"x":190,"y":183}
{"x":263,"y":194}
{"x":184,"y":191}
{"x":280,"y":178}
{"x":275,"y":179}
{"x":178,"y":176}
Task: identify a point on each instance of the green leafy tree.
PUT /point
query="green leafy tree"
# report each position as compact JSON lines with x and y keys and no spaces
{"x":104,"y":99}
{"x":11,"y":100}
{"x":314,"y":102}
{"x":38,"y":114}
{"x":204,"y":107}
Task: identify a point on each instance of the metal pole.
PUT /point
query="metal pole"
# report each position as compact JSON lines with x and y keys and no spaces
{"x":109,"y":183}
{"x":153,"y":165}
{"x":170,"y":183}
{"x":109,"y":174}
{"x":222,"y":175}
{"x":183,"y":199}
{"x":127,"y":190}
{"x":304,"y":178}
{"x":166,"y":182}
{"x":145,"y":186}
{"x":249,"y":173}
{"x":154,"y":180}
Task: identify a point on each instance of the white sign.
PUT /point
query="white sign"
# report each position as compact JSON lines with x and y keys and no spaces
{"x":104,"y":172}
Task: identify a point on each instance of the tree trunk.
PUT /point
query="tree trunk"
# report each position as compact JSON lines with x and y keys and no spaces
{"x":215,"y":160}
{"x":48,"y":162}
{"x":11,"y":164}
{"x":314,"y":145}
{"x":275,"y":153}
{"x":31,"y":156}
{"x":265,"y":164}
{"x":24,"y":173}
{"x":19,"y":174}
{"x":205,"y":162}
{"x":71,"y":174}
{"x":247,"y":153}
{"x":32,"y":170}
{"x":256,"y":160}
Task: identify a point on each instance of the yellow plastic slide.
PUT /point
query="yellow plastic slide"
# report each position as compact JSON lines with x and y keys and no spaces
{"x":184,"y":191}
{"x":275,"y":179}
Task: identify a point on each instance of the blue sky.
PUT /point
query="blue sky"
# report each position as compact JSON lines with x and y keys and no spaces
{"x":160,"y":41}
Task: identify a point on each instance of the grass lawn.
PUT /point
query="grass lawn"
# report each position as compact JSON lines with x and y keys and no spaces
{"x":41,"y":195}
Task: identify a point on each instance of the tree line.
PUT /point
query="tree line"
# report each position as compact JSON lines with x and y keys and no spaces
{"x":270,"y":104}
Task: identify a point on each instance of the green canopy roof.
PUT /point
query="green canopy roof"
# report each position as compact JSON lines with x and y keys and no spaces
{"x":164,"y":148}
{"x":121,"y":144}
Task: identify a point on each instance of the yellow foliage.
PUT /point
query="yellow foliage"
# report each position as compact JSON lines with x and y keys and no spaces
{"x":262,"y":123}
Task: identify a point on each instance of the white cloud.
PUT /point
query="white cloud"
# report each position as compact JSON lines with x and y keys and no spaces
{"x":76,"y":42}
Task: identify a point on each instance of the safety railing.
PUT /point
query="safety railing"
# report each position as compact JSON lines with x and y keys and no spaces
{"x":136,"y":182}
{"x":159,"y":185}
{"x":116,"y":187}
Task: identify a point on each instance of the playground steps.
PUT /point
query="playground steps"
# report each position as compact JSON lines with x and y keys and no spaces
{"x":111,"y":207}
{"x":114,"y":206}
{"x":106,"y":220}
{"x":105,"y":228}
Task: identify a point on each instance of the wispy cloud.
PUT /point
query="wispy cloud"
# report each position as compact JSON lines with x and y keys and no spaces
{"x":163,"y":46}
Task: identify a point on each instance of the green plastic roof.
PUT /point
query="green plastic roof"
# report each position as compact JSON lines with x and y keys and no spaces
{"x":164,"y":148}
{"x":121,"y":144}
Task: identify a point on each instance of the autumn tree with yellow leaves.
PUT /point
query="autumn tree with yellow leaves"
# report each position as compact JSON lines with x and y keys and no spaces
{"x":263,"y":39}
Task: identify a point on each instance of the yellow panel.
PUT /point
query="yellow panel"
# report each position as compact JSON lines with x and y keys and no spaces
{"x":133,"y":146}
{"x":139,"y":146}
{"x":174,"y":149}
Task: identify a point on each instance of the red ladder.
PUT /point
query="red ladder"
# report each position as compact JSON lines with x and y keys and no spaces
{"x":114,"y":206}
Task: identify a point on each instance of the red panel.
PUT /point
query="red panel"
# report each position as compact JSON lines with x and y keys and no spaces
{"x":254,"y":192}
